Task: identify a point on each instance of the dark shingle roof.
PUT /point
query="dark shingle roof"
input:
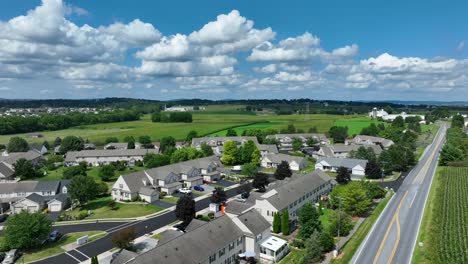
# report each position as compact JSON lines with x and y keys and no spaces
{"x":44,"y":186}
{"x":36,"y":198}
{"x":254,"y":221}
{"x":123,"y":257}
{"x":6,"y":171}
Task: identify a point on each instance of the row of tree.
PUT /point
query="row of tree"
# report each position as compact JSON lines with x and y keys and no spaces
{"x":172,"y":117}
{"x":455,"y":150}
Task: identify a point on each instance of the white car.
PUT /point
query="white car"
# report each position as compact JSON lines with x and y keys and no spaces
{"x":240,"y":199}
{"x":185,"y":190}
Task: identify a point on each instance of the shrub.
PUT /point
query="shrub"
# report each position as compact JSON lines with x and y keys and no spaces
{"x":162,"y":194}
{"x":211,"y":215}
{"x":298,"y":243}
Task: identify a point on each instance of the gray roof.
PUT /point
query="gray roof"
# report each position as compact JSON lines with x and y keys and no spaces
{"x":194,"y":224}
{"x":73,"y":155}
{"x":6,"y":171}
{"x":207,"y":140}
{"x":383,"y":141}
{"x":44,"y":186}
{"x":277,"y":158}
{"x":148,"y":191}
{"x":61,"y":197}
{"x":23,"y":186}
{"x":341,"y":162}
{"x":36,"y":198}
{"x":195,"y":246}
{"x":254,"y":221}
{"x":330,"y":150}
{"x":317,"y":136}
{"x":235,"y":207}
{"x":270,"y":148}
{"x":169,"y":235}
{"x":14,"y":156}
{"x":296,"y":188}
{"x":123,"y":257}
{"x":117,"y":145}
{"x":134,"y":180}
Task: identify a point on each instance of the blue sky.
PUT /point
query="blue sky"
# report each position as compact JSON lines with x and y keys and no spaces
{"x":353,"y":50}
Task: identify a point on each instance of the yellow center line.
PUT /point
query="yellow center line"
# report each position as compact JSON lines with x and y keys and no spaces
{"x":426,"y":165}
{"x":376,"y":259}
{"x":398,"y":236}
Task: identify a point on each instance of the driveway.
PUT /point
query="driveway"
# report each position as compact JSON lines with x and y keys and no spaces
{"x":207,"y":188}
{"x":146,"y":245}
{"x":162,"y":204}
{"x":194,"y":195}
{"x":225,"y":183}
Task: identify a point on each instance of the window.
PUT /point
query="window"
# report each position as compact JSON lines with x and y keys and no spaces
{"x":213,"y":258}
{"x":121,"y":186}
{"x":126,"y":195}
{"x":222,"y":252}
{"x":268,"y":213}
{"x":239,"y":241}
{"x":258,"y":238}
{"x":231,"y":246}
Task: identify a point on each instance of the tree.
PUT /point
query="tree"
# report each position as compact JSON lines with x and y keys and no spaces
{"x":313,"y":249}
{"x":82,"y":189}
{"x":398,"y":157}
{"x":364,"y":153}
{"x":398,"y":122}
{"x":144,"y":140}
{"x":24,"y":169}
{"x":231,"y":133}
{"x":207,"y":150}
{"x":123,"y":239}
{"x":246,"y":151}
{"x":185,"y":209}
{"x":25,"y":230}
{"x":458,"y":121}
{"x":338,"y":133}
{"x":296,"y":144}
{"x":246,"y":187}
{"x":230,"y":153}
{"x":46,"y":144}
{"x":450,"y":153}
{"x":283,"y":170}
{"x":166,"y":143}
{"x":57,"y":141}
{"x":17,"y":144}
{"x":152,"y":160}
{"x":276,"y":223}
{"x":371,"y":130}
{"x":192,"y":134}
{"x":354,"y":198}
{"x":131,"y":145}
{"x":112,"y":140}
{"x":106,"y":172}
{"x":219,"y":196}
{"x":308,"y":220}
{"x":129,"y":139}
{"x":311,"y":141}
{"x":187,"y":153}
{"x":156,"y":117}
{"x":249,"y":169}
{"x":71,"y":143}
{"x":373,"y":170}
{"x":285,"y":222}
{"x":345,"y":223}
{"x":260,"y":181}
{"x":343,"y":176}
{"x":94,"y":260}
{"x":71,"y":172}
{"x":256,"y":157}
{"x":327,"y":241}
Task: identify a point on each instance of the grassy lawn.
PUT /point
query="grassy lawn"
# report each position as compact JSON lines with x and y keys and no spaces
{"x":325,"y":218}
{"x":353,"y":244}
{"x":170,"y":199}
{"x":355,"y":125}
{"x":51,"y":249}
{"x":157,"y":236}
{"x":204,"y":122}
{"x":241,"y":129}
{"x":100,"y":209}
{"x":419,"y":255}
{"x":294,"y":256}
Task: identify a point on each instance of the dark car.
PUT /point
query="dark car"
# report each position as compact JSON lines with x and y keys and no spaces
{"x":3,"y":217}
{"x":245,"y":195}
{"x":54,"y":236}
{"x":2,"y":256}
{"x":199,"y":188}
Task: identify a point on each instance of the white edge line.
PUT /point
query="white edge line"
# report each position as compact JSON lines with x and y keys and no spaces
{"x":361,"y":247}
{"x":81,"y":253}
{"x":79,"y":261}
{"x":414,"y":197}
{"x":424,"y":209}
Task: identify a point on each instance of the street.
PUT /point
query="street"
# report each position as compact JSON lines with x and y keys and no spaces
{"x":393,"y":237}
{"x":99,"y":246}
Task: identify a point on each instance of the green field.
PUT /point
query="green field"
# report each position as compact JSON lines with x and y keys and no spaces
{"x":355,"y":125}
{"x":204,"y":123}
{"x":444,"y":227}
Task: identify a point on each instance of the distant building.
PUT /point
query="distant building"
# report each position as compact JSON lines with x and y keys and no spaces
{"x":342,"y":150}
{"x":286,"y":140}
{"x":104,"y":157}
{"x":217,"y":144}
{"x":183,"y":108}
{"x":370,"y":140}
{"x":273,"y":160}
{"x":375,"y":113}
{"x":355,"y":166}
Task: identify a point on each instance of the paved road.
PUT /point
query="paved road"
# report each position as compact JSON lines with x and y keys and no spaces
{"x":393,"y":237}
{"x":142,"y":227}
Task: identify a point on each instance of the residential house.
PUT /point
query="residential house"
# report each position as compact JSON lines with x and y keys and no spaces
{"x":89,"y":146}
{"x":217,"y":143}
{"x":35,"y":195}
{"x":120,"y":145}
{"x":273,"y":160}
{"x":342,"y":150}
{"x":166,"y":179}
{"x":291,"y":194}
{"x":355,"y":166}
{"x":59,"y":203}
{"x":39,"y":148}
{"x":103,"y":157}
{"x":370,"y":140}
{"x":286,"y":140}
{"x":267,"y":149}
{"x":7,"y":171}
{"x":32,"y":203}
{"x":8,"y":161}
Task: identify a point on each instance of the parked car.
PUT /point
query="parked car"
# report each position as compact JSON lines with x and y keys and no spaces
{"x":240,"y":199}
{"x":185,"y":190}
{"x":3,"y":217}
{"x":11,"y":256}
{"x":54,"y":236}
{"x":199,"y":188}
{"x":180,"y":227}
{"x":245,"y":195}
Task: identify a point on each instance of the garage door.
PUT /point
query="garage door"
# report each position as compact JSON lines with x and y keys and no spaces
{"x":54,"y":208}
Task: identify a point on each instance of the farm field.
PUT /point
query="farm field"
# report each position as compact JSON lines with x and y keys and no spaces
{"x":355,"y":125}
{"x":445,"y":223}
{"x":205,"y":123}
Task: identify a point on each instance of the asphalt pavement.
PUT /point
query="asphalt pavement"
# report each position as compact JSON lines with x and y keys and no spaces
{"x":104,"y":244}
{"x":393,"y":237}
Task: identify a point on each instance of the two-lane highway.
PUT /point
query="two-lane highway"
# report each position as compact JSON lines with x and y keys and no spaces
{"x":394,"y":235}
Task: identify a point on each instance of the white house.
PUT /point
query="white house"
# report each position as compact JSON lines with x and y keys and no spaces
{"x":370,"y":140}
{"x":292,"y":194}
{"x":342,"y":150}
{"x":59,"y":203}
{"x":375,"y":113}
{"x":103,"y":157}
{"x":286,"y":140}
{"x":355,"y":166}
{"x":273,"y":160}
{"x":32,"y":203}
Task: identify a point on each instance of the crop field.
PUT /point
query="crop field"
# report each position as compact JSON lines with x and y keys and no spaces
{"x":445,"y":224}
{"x":355,"y":125}
{"x":205,"y":123}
